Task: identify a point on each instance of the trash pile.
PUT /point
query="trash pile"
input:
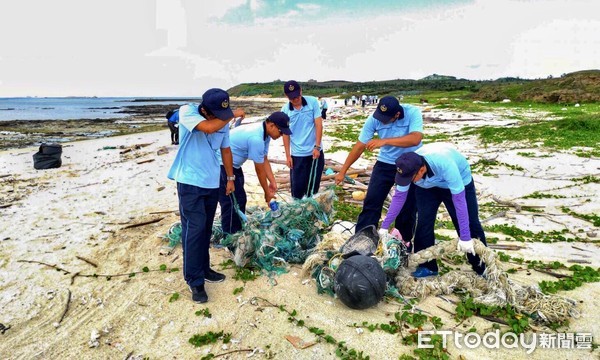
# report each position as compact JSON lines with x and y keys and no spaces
{"x":388,"y":255}
{"x":272,"y":239}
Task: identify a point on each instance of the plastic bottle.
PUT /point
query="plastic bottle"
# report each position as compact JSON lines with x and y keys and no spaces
{"x":275,"y":213}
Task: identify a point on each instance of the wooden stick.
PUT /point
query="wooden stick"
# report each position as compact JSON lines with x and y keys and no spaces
{"x":66,"y":306}
{"x":495,"y":216}
{"x":143,"y":223}
{"x":507,"y":202}
{"x":556,"y":275}
{"x":87,"y":261}
{"x":580,"y":249}
{"x":505,"y":247}
{"x":4,"y":206}
{"x":577,"y":261}
{"x":163,"y":212}
{"x":234,"y":351}
{"x":145,"y":161}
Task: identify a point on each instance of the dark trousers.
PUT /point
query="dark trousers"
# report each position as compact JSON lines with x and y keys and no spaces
{"x":300,"y":175}
{"x":380,"y":184}
{"x":230,"y":220}
{"x":324,"y":114}
{"x":197,"y":207}
{"x":174,"y":132}
{"x":429,"y":201}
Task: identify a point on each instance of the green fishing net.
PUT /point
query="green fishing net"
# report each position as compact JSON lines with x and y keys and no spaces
{"x":272,"y":242}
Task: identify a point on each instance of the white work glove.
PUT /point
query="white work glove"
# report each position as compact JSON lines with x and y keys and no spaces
{"x":466,"y":246}
{"x":383,"y":233}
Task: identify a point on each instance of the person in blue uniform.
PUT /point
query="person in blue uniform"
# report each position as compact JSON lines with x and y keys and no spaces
{"x":173,"y":120}
{"x":196,"y":169}
{"x":399,"y":129}
{"x":303,"y":149}
{"x":250,"y":142}
{"x":441,"y":174}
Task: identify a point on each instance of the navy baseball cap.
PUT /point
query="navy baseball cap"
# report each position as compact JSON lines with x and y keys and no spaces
{"x":217,"y":102}
{"x":407,"y":166}
{"x":282,"y":121}
{"x":291,"y":89}
{"x":387,"y":108}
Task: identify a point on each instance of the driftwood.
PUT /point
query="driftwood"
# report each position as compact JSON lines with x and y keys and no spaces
{"x":577,"y":261}
{"x":87,"y":261}
{"x":145,"y":161}
{"x":508,"y":203}
{"x":4,"y":206}
{"x":283,"y":181}
{"x":505,"y":247}
{"x":66,"y":306}
{"x":143,"y":223}
{"x":495,"y":216}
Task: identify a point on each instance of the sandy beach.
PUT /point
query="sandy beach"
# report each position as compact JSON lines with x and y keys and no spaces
{"x":82,"y":217}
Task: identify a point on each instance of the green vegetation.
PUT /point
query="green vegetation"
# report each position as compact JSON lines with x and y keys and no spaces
{"x":210,"y":337}
{"x":594,"y":219}
{"x":577,"y":127}
{"x":342,"y":351}
{"x":580,"y":276}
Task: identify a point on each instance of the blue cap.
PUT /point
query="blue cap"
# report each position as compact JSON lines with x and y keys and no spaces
{"x":217,"y":102}
{"x":387,"y":108}
{"x":291,"y":89}
{"x":407,"y":166}
{"x":282,"y":121}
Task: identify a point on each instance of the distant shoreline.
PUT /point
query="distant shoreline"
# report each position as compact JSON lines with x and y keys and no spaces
{"x":137,"y":119}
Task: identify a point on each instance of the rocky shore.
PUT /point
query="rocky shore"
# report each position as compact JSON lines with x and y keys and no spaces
{"x":140,"y":118}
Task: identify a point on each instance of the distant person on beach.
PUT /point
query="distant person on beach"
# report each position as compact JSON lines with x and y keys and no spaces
{"x":441,"y":175}
{"x":196,"y":169}
{"x":400,"y":130}
{"x":303,"y":149}
{"x":250,"y":142}
{"x":173,"y":120}
{"x":324,"y":106}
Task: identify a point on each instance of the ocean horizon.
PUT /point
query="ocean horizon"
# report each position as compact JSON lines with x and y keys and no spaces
{"x":74,"y":107}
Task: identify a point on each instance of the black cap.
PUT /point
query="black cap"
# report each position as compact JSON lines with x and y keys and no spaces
{"x":407,"y":166}
{"x":282,"y":121}
{"x":291,"y":89}
{"x":387,"y":108}
{"x":217,"y":102}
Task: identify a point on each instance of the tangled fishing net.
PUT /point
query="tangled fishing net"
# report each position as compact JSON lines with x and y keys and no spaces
{"x":271,"y":240}
{"x":495,"y":288}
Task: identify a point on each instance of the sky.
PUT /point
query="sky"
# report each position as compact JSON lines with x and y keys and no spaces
{"x":183,"y":47}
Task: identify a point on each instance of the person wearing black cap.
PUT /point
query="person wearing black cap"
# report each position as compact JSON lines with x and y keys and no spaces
{"x":250,"y":142}
{"x":400,"y":130}
{"x":172,"y":120}
{"x":203,"y":131}
{"x":303,"y":149}
{"x":441,"y":175}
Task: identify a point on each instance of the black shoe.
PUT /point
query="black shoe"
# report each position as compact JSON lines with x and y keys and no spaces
{"x":199,"y":295}
{"x":212,"y":276}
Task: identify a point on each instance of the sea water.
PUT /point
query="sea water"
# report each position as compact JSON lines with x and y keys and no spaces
{"x":70,"y":108}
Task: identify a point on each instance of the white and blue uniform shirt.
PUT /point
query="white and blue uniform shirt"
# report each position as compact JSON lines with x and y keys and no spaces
{"x":248,"y":142}
{"x":196,"y":162}
{"x":411,"y":122}
{"x":446,"y":168}
{"x":302,"y":125}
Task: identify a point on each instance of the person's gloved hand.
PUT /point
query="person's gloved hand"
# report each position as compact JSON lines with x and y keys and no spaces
{"x":383,"y":233}
{"x":466,"y":246}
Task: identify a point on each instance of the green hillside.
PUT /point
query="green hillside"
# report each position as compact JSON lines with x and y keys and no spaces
{"x":581,"y":86}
